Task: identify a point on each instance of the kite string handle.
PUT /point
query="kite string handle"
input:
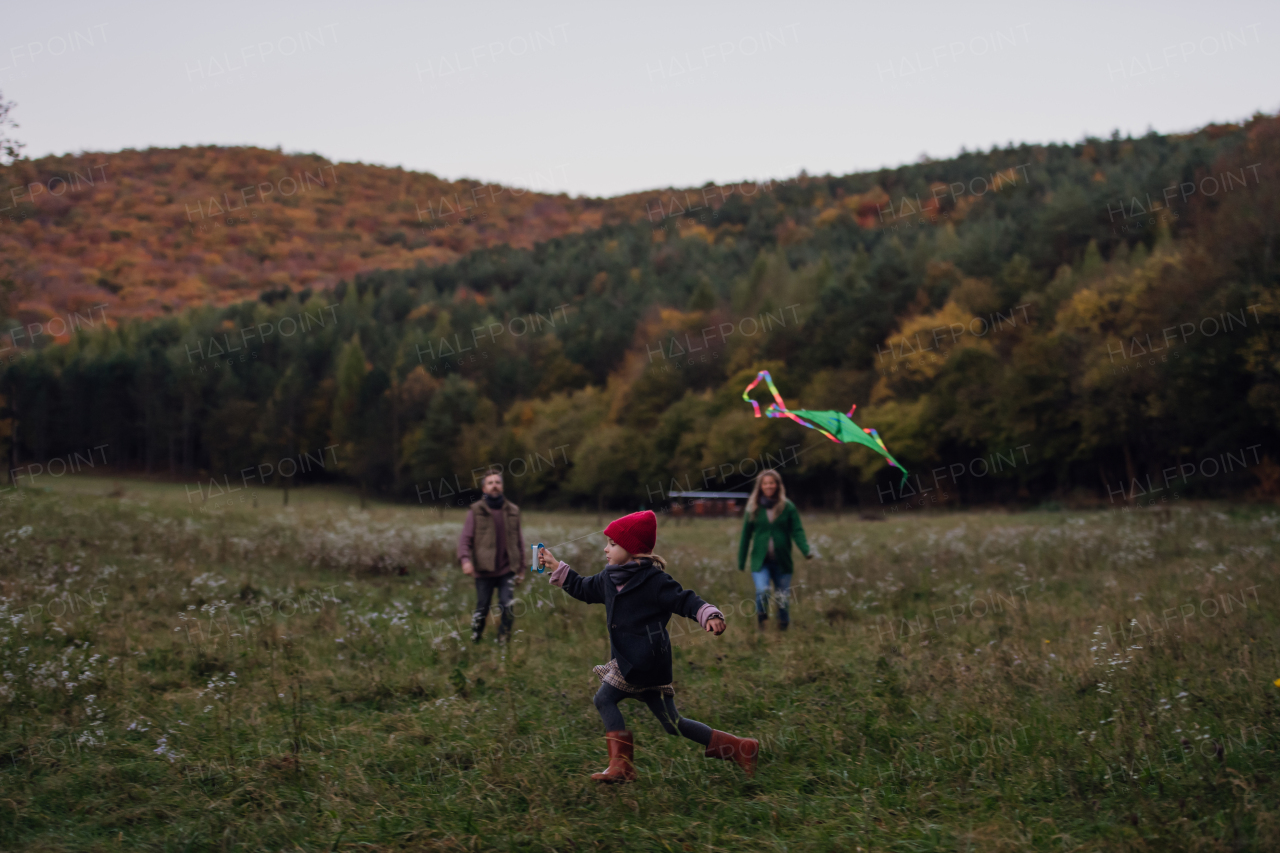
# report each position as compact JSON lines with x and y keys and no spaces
{"x":540,"y":547}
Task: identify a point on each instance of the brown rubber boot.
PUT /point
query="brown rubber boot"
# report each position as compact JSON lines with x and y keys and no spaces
{"x":740,"y":750}
{"x":621,"y":767}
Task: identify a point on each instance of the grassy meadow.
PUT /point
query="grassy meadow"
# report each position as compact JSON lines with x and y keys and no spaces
{"x":248,"y":676}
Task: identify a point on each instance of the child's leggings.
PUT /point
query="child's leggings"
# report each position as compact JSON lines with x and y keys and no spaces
{"x":662,"y":706}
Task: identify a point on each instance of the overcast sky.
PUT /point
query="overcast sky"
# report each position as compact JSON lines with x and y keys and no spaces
{"x":606,"y":98}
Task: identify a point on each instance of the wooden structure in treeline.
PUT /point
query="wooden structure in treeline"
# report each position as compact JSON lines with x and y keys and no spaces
{"x":700,"y":504}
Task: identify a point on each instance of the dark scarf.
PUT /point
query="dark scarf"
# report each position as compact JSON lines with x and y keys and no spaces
{"x":767,"y":502}
{"x":494,"y":502}
{"x":625,"y":572}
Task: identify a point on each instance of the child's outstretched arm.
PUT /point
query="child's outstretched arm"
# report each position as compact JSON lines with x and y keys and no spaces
{"x":583,"y":589}
{"x":690,"y":605}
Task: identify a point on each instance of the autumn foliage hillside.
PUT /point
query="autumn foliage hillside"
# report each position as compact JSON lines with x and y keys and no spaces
{"x":1058,"y":321}
{"x":155,"y":231}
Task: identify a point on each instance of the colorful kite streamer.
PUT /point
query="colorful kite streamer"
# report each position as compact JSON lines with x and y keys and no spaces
{"x":837,"y":426}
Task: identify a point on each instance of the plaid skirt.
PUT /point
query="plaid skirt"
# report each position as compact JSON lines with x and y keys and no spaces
{"x":610,"y":674}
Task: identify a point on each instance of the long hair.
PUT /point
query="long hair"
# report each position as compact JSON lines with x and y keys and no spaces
{"x":657,"y":560}
{"x":753,"y":502}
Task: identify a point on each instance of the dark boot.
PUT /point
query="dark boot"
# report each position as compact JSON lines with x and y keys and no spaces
{"x":761,"y":618}
{"x":740,"y":750}
{"x":621,"y":759}
{"x":477,"y":626}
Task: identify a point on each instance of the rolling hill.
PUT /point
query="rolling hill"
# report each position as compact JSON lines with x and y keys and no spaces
{"x":1072,"y":321}
{"x":151,"y":232}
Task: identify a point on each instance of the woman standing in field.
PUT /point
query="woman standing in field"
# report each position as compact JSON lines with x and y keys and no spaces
{"x":770,"y":525}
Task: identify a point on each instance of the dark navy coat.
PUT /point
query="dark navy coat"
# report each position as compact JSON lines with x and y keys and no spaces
{"x":637,"y":617}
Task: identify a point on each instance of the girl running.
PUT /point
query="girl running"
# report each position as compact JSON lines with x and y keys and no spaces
{"x":640,"y":598}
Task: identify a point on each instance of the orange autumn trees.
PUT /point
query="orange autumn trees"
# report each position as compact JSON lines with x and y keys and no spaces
{"x":1059,"y":321}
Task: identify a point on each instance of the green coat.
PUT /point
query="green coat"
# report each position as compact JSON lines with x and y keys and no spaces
{"x":784,"y":529}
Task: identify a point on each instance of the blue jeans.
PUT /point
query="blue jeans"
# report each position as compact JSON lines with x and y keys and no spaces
{"x":782,"y":591}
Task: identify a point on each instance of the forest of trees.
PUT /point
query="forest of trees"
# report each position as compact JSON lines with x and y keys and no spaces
{"x":1081,"y":319}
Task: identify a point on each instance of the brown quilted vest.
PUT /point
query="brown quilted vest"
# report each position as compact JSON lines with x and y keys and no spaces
{"x":485,"y":548}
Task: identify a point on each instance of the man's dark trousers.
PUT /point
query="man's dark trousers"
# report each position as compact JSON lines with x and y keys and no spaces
{"x":505,"y":585}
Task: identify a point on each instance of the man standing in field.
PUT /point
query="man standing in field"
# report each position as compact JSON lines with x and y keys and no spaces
{"x":492,"y":551}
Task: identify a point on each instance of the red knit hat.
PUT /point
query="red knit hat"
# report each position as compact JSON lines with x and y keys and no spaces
{"x":636,"y":532}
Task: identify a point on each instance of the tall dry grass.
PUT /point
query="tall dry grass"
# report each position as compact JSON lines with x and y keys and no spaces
{"x":264,"y":680}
